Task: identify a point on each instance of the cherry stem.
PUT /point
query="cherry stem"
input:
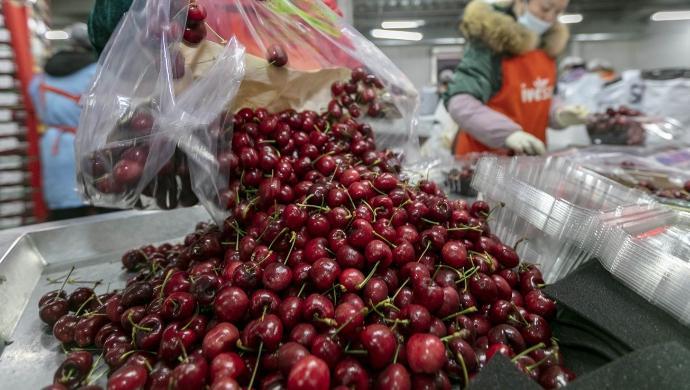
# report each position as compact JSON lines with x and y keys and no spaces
{"x":349,"y":197}
{"x":265,"y":257}
{"x":497,"y":207}
{"x":313,"y":206}
{"x":384,"y":239}
{"x":356,"y":352}
{"x":537,"y":364}
{"x":293,"y":238}
{"x":465,"y":375}
{"x":301,"y":290}
{"x":222,"y":40}
{"x":457,"y":271}
{"x":333,"y":288}
{"x":328,"y":321}
{"x":524,"y":321}
{"x":451,"y":336}
{"x":472,"y":309}
{"x":68,"y":376}
{"x":520,"y":241}
{"x":141,"y":328}
{"x":189,"y":323}
{"x":168,"y":275}
{"x":63,"y":284}
{"x":88,"y":379}
{"x":400,"y":289}
{"x":463,"y":228}
{"x":322,"y":156}
{"x":184,"y":351}
{"x":241,"y":347}
{"x":428,"y":244}
{"x":373,"y":213}
{"x":379,"y":191}
{"x":256,"y":365}
{"x":346,"y":323}
{"x":528,"y":351}
{"x":366,"y":280}
{"x":396,"y":321}
{"x":277,"y":237}
{"x":84,"y":304}
{"x":430,"y":221}
{"x":397,"y":351}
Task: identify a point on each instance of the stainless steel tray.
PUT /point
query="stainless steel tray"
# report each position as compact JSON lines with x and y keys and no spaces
{"x":31,"y":354}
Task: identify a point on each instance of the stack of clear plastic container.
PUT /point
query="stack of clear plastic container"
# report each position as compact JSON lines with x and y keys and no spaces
{"x":554,"y":205}
{"x":649,"y":251}
{"x":563,"y":215}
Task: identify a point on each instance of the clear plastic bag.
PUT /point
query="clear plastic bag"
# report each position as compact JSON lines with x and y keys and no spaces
{"x":280,"y":56}
{"x":149,"y":134}
{"x":320,"y":50}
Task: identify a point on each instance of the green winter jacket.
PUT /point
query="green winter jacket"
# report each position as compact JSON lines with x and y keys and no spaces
{"x":105,"y":16}
{"x":493,"y":33}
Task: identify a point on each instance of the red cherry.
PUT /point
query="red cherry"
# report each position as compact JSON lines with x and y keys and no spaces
{"x":425,"y":353}
{"x":128,"y":172}
{"x":538,"y":303}
{"x":277,"y":56}
{"x":221,"y":338}
{"x":194,"y":34}
{"x":380,"y":344}
{"x":128,"y":378}
{"x":196,"y":13}
{"x":310,"y":373}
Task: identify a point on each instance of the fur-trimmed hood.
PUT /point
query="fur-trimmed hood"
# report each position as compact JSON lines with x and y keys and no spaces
{"x":504,"y":35}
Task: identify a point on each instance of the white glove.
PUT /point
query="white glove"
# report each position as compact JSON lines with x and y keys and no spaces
{"x":522,"y":142}
{"x":572,"y":115}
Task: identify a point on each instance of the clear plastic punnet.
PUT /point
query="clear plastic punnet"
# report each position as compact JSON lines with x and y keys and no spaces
{"x":649,"y":251}
{"x":555,"y":195}
{"x":179,"y":78}
{"x":556,"y":258}
{"x":553,"y":206}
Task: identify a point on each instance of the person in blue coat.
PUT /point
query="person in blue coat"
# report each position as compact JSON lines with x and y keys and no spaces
{"x":55,"y":95}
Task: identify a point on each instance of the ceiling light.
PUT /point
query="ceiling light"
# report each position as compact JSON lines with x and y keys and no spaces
{"x":393,"y":34}
{"x":570,"y":18}
{"x":664,"y":16}
{"x":396,"y":24}
{"x":55,"y":35}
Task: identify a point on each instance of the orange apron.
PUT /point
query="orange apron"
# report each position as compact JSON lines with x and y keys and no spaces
{"x":525,"y":97}
{"x":43,"y":89}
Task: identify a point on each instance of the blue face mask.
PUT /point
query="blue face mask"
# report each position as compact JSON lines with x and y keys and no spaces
{"x":533,"y":23}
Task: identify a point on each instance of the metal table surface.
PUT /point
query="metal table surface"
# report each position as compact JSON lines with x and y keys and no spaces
{"x":32,"y":254}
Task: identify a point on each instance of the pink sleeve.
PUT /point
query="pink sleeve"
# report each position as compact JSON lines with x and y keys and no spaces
{"x":489,"y":127}
{"x":556,"y":104}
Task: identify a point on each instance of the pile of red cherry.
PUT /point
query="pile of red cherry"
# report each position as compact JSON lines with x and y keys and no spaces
{"x":669,"y":193}
{"x":616,"y":127}
{"x":664,"y":190}
{"x":334,"y":271}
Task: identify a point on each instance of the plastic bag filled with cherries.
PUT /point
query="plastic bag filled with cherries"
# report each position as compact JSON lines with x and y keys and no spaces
{"x":617,"y":127}
{"x":157,"y":126}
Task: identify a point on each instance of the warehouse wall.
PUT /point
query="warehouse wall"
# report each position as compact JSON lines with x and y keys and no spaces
{"x":662,"y":45}
{"x":414,"y":61}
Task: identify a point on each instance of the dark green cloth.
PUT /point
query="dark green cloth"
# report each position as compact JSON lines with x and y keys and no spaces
{"x":478,"y":74}
{"x":105,"y":16}
{"x":64,"y":63}
{"x":480,"y":71}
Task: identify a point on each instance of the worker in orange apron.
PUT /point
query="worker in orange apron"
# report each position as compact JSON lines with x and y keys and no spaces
{"x":502,"y":92}
{"x":55,"y":95}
